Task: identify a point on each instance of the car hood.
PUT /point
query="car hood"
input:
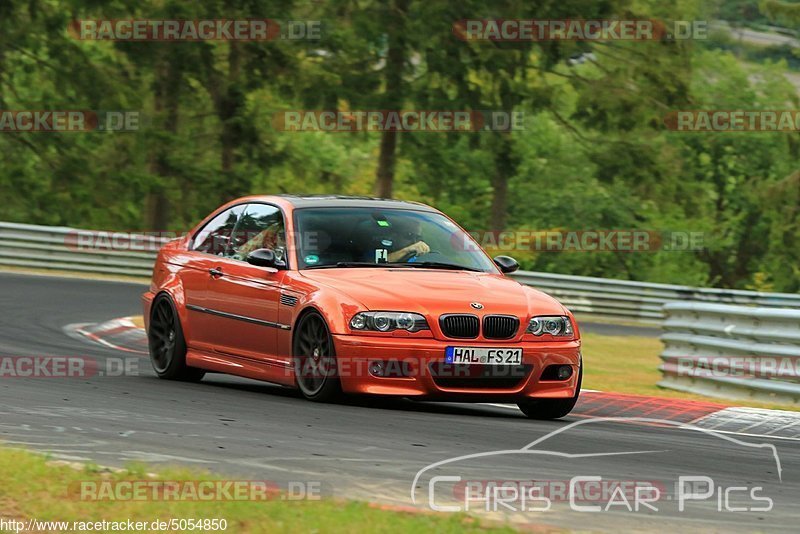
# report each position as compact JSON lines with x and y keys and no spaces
{"x":435,"y":292}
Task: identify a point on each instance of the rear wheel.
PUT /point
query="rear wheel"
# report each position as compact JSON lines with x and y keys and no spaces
{"x":315,"y":359}
{"x":551,"y":408}
{"x":167,"y":344}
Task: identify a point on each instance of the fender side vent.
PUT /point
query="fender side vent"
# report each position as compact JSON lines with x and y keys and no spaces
{"x":288,"y":300}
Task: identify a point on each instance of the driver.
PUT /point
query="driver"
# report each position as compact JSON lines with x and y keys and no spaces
{"x":408,"y":243}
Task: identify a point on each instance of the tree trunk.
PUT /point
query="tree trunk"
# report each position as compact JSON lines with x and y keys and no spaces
{"x":497,"y":221}
{"x":165,"y":107}
{"x":226,"y":94}
{"x":386,"y":163}
{"x":393,"y":97}
{"x":2,"y":74}
{"x":503,"y":171}
{"x":228,"y":108}
{"x":157,"y":211}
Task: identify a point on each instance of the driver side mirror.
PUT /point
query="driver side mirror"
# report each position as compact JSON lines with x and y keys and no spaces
{"x":265,"y":257}
{"x":507,"y":264}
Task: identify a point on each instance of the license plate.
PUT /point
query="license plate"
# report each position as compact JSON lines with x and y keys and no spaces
{"x":483,"y":355}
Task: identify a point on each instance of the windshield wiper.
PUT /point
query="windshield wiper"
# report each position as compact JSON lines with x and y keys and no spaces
{"x":439,"y":265}
{"x":422,"y":264}
{"x":351,"y":264}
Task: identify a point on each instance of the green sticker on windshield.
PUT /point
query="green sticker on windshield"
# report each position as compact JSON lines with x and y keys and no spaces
{"x":383,"y":223}
{"x":311,"y":259}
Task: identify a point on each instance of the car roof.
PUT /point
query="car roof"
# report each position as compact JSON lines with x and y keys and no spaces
{"x":343,"y":201}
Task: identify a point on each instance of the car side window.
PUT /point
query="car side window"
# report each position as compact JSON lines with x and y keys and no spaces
{"x":214,"y":238}
{"x":261,"y":226}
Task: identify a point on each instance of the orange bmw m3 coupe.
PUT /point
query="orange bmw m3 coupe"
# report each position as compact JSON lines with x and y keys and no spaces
{"x":341,"y":295}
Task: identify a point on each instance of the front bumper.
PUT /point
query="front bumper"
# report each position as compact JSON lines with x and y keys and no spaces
{"x":424,"y":356}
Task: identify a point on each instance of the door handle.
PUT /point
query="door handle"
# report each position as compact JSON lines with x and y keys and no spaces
{"x":215,"y":273}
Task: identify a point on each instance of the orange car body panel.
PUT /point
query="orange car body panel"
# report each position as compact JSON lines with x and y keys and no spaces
{"x":258,"y":344}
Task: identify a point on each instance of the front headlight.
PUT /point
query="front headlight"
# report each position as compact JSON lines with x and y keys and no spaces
{"x":556,"y":325}
{"x":388,"y":321}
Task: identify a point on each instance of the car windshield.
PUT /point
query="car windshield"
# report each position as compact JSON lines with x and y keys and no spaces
{"x":369,"y":237}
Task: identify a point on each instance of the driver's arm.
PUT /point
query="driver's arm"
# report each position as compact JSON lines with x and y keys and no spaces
{"x":415,"y":249}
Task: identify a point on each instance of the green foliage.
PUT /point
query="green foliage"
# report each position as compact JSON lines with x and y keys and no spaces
{"x":594,"y":154}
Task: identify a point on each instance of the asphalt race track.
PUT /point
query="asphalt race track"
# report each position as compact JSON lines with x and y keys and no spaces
{"x":364,"y":449}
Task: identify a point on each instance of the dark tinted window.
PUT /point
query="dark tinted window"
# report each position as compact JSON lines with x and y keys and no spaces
{"x":327,"y":236}
{"x":214,"y":238}
{"x":261,"y":226}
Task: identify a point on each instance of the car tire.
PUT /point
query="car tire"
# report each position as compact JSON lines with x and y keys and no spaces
{"x":314,"y":355}
{"x":167,"y":345}
{"x":551,"y":408}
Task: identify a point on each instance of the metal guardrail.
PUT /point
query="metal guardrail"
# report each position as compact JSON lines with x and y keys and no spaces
{"x":69,"y":249}
{"x":641,"y":300}
{"x":732,"y":351}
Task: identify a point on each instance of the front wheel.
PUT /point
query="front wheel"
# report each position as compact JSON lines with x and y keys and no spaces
{"x":167,"y":344}
{"x":315,"y":359}
{"x":551,"y":408}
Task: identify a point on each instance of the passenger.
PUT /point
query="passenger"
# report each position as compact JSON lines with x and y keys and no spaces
{"x":272,"y":237}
